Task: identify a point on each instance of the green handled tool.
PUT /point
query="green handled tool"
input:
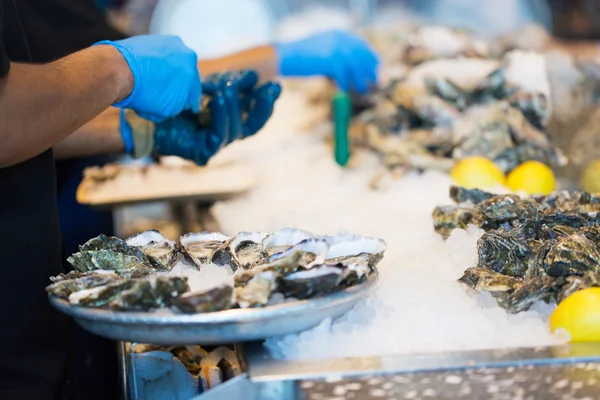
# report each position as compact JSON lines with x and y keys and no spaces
{"x":341,"y":106}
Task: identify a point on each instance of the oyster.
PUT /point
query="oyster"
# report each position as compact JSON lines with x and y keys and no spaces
{"x":216,"y":299}
{"x":75,"y":281}
{"x":313,"y":251}
{"x":219,"y":365}
{"x":286,"y":263}
{"x":246,"y":249}
{"x":506,"y":253}
{"x":207,"y":247}
{"x":258,"y":290}
{"x":574,"y":283}
{"x":544,"y":288}
{"x":474,"y":196}
{"x":490,"y":281}
{"x":283,"y":239}
{"x":319,"y":279}
{"x":351,"y":251}
{"x":572,"y":255}
{"x":158,"y":249}
{"x":448,"y":218}
{"x":133,"y":294}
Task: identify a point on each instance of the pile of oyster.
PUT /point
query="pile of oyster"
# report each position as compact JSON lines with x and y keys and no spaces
{"x":537,"y":248}
{"x":211,"y":365}
{"x":446,"y":109}
{"x":137,"y":274}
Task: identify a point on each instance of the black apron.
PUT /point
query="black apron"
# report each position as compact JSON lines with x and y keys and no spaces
{"x":35,"y":342}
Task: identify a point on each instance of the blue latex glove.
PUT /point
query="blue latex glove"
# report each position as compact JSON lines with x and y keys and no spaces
{"x":165,"y":73}
{"x":347,"y":59}
{"x":238,"y":109}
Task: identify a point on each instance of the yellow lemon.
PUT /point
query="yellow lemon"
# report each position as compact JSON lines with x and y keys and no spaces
{"x":477,"y":173}
{"x":531,"y":177}
{"x":590,"y":179}
{"x":579,"y":314}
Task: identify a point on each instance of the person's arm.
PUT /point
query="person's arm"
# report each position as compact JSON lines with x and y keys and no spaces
{"x":263,"y":60}
{"x":41,"y":104}
{"x":102,"y":135}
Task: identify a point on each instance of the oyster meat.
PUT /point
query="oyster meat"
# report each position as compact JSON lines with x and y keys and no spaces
{"x":257,"y":291}
{"x":246,"y":249}
{"x":159,"y":250}
{"x":208,"y":247}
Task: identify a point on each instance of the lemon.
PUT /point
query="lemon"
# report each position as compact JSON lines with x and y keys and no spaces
{"x":477,"y":173}
{"x":590,"y":179}
{"x":579,"y":314}
{"x":531,"y":177}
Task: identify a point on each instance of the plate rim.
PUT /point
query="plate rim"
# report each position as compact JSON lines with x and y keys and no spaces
{"x":245,"y":315}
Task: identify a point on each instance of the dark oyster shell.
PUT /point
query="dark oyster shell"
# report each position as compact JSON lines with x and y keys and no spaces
{"x":448,"y":218}
{"x":461,"y":195}
{"x":490,"y":281}
{"x":544,"y":288}
{"x":506,"y":253}
{"x":216,"y":299}
{"x":572,"y":255}
{"x":133,"y":294}
{"x":75,"y":281}
{"x":319,"y":279}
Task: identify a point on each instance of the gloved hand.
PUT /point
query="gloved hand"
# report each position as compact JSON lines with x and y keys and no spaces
{"x":341,"y":56}
{"x":237,"y":109}
{"x":165,"y":73}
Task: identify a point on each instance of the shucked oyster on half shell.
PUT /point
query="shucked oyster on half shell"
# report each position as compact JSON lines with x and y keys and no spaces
{"x":208,"y":247}
{"x":358,"y":255}
{"x":111,"y":253}
{"x":283,"y":239}
{"x":158,"y":249}
{"x":246,"y":249}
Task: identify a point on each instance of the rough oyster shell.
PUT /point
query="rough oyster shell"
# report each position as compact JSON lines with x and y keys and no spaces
{"x":258,"y":290}
{"x":75,"y":281}
{"x":158,"y":249}
{"x":133,"y":294}
{"x":283,"y":239}
{"x":216,"y":299}
{"x":246,"y":249}
{"x":319,"y":279}
{"x":127,"y":266}
{"x":359,"y":256}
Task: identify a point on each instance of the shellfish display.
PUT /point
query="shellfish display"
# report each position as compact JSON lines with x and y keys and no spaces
{"x":535,"y":248}
{"x":444,"y":110}
{"x":140,"y":274}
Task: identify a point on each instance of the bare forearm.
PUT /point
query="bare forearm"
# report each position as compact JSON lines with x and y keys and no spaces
{"x":101,"y":135}
{"x":261,"y":59}
{"x":42,"y":104}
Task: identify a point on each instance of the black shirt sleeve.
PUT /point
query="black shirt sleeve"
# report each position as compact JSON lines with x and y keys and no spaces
{"x":4,"y":62}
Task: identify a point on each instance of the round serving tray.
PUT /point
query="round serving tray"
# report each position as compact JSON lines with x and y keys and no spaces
{"x":230,"y":326}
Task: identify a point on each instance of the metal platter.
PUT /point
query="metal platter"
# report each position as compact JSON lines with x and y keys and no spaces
{"x":237,"y":325}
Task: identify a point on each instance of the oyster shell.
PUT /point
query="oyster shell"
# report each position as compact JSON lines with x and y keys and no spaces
{"x":283,"y":239}
{"x":287,"y":263}
{"x":474,"y":196}
{"x":359,"y":256}
{"x":572,"y":255}
{"x":133,"y":294}
{"x":319,"y":279}
{"x":75,"y":281}
{"x":258,"y":290}
{"x":544,"y":288}
{"x":207,"y":247}
{"x":314,"y":251}
{"x":158,"y":249}
{"x":216,"y":299}
{"x":246,"y":249}
{"x":484,"y":279}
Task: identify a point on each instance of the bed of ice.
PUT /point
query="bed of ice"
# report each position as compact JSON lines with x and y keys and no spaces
{"x":417,"y":306}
